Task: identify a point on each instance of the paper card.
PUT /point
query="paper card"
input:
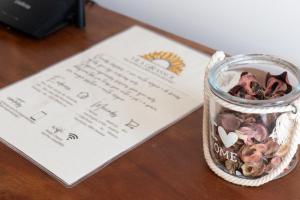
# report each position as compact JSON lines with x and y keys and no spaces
{"x":78,"y":115}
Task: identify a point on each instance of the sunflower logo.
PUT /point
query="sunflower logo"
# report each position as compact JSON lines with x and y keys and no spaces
{"x":169,"y":60}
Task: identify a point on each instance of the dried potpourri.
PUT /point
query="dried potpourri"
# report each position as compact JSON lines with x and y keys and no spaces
{"x":249,"y":87}
{"x":255,"y":152}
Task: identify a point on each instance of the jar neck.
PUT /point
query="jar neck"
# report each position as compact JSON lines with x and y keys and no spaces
{"x":230,"y":63}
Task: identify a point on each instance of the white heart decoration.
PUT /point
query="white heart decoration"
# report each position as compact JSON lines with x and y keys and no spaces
{"x":227,"y":139}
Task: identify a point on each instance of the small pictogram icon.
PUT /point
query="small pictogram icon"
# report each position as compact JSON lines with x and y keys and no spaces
{"x":57,"y":129}
{"x":132,"y":124}
{"x":83,"y":95}
{"x":72,"y":136}
{"x":38,"y":116}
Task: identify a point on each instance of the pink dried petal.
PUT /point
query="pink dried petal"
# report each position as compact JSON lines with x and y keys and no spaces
{"x":268,"y":168}
{"x":254,"y":130}
{"x":231,"y":166}
{"x":260,"y":147}
{"x":262,"y":132}
{"x":277,"y":85}
{"x":273,"y":164}
{"x":247,"y":130}
{"x":253,"y":153}
{"x":274,"y":86}
{"x":229,"y":121}
{"x":253,"y":169}
{"x":275,"y":161}
{"x":238,"y":91}
{"x":250,"y":119}
{"x":248,"y":88}
{"x":247,"y":135}
{"x":272,"y":148}
{"x":246,"y":80}
{"x":258,"y":90}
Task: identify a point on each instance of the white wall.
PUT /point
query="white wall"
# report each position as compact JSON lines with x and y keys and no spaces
{"x":235,"y":26}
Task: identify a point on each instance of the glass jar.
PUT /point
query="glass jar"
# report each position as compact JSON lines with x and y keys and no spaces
{"x":242,"y":143}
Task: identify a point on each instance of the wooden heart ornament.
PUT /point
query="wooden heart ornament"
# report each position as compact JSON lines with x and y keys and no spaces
{"x":227,"y":139}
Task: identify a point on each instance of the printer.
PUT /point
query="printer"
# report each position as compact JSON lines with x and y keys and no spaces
{"x":38,"y":18}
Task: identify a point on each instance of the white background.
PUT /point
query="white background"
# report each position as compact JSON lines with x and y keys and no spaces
{"x":248,"y":26}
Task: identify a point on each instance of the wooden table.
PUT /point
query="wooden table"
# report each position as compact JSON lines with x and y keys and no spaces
{"x":169,"y":166}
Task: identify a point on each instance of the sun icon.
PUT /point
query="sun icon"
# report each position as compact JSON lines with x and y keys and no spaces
{"x":169,"y":60}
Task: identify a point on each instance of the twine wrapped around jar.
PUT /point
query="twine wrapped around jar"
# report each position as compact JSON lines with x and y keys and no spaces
{"x":286,"y":130}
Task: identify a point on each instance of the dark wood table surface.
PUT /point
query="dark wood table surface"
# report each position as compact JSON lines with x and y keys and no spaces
{"x":169,"y":166}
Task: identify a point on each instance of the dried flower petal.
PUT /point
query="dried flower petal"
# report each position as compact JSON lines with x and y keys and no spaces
{"x":237,"y":91}
{"x":261,"y":132}
{"x":248,"y":87}
{"x":273,"y":164}
{"x":253,"y":131}
{"x":249,"y":83}
{"x":275,"y":161}
{"x":231,"y":166}
{"x":253,"y":153}
{"x":277,"y":85}
{"x":249,"y":119}
{"x":245,"y":136}
{"x":253,"y":169}
{"x":229,"y":121}
{"x":272,"y":148}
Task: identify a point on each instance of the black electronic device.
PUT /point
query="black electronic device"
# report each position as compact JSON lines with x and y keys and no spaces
{"x":39,"y":18}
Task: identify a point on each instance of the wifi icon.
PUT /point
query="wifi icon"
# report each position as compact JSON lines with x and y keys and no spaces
{"x":72,"y":136}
